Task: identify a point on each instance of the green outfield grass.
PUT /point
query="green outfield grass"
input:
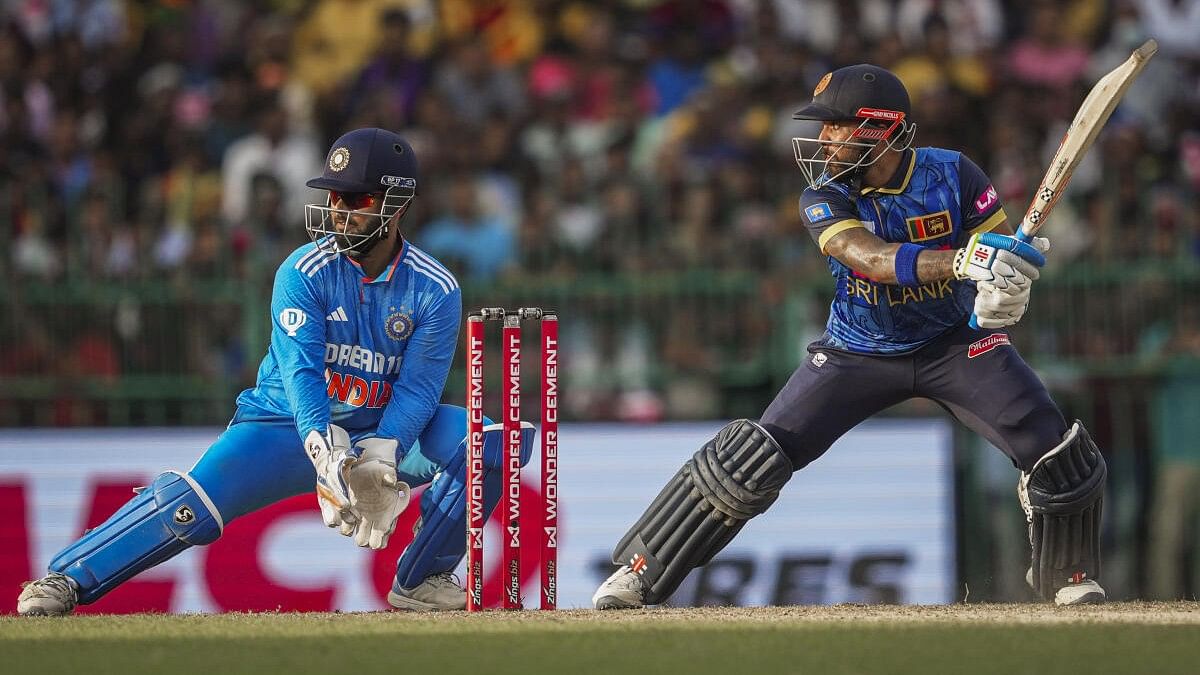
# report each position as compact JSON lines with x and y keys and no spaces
{"x":1154,"y":638}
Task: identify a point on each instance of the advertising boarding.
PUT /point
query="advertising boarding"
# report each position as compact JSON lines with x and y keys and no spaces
{"x":872,"y":521}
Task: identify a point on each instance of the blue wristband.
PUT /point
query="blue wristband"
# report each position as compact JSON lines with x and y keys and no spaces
{"x":906,"y":264}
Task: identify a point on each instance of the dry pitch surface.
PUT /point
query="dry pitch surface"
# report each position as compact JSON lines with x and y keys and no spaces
{"x":1022,"y":638}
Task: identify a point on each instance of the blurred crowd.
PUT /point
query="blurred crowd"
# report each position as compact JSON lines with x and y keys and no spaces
{"x":164,"y":144}
{"x":168,"y":142}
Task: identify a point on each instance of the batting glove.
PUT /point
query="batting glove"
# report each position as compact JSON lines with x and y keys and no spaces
{"x":997,"y":307}
{"x":1000,"y":259}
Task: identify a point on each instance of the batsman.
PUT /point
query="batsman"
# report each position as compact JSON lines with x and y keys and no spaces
{"x":917,"y":241}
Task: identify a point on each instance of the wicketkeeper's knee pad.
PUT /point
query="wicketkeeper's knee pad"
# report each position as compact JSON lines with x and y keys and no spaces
{"x":1062,"y":497}
{"x":171,"y":515}
{"x":733,"y":478}
{"x":441,"y":535}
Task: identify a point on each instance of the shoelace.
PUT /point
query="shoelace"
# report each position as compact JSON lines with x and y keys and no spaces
{"x":629,"y":580}
{"x":446,"y":578}
{"x":58,"y":582}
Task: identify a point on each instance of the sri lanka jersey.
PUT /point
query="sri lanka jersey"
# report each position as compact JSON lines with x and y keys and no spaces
{"x":937,"y":199}
{"x":366,"y":354}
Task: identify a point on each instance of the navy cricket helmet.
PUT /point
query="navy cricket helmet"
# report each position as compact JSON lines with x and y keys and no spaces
{"x":368,"y":173}
{"x":871,"y":96}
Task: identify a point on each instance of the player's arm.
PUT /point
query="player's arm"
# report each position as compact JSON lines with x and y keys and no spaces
{"x":427,"y":359}
{"x":833,"y":222}
{"x":377,"y":495}
{"x":298,"y":344}
{"x":987,"y":255}
{"x":867,"y":254}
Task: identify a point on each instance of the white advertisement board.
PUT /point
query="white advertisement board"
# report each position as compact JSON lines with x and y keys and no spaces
{"x":871,"y":521}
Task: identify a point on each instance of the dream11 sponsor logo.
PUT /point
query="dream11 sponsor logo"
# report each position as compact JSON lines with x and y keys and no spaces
{"x":817,"y":577}
{"x":238,"y":569}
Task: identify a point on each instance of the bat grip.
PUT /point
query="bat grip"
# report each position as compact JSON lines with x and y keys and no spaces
{"x":1021,"y":236}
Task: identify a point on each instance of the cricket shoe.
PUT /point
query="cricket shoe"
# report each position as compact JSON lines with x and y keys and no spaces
{"x":622,"y":590}
{"x":52,"y":595}
{"x":438,"y":592}
{"x":1086,"y":592}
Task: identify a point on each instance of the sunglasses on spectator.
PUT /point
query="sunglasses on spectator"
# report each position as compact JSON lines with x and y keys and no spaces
{"x":354,"y":200}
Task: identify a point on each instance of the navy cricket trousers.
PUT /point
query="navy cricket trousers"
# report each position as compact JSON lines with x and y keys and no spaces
{"x":975,"y":374}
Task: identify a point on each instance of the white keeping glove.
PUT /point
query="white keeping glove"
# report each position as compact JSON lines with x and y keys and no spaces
{"x":330,"y":456}
{"x":999,"y":258}
{"x":377,"y":495}
{"x":997,"y":307}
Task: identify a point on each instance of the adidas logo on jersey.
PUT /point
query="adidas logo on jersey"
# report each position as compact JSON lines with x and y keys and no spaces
{"x":338,"y":314}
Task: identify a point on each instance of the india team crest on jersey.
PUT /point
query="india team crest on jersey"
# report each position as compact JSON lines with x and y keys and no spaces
{"x":399,"y":325}
{"x":931,"y":226}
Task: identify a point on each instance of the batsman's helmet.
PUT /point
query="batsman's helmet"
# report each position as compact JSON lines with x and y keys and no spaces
{"x":363,"y":166}
{"x":869,"y":95}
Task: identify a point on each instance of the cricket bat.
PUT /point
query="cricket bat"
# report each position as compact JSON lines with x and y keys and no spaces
{"x":1089,"y":119}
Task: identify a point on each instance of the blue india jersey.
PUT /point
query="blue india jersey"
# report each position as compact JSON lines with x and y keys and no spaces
{"x":937,"y":199}
{"x":370,"y":355}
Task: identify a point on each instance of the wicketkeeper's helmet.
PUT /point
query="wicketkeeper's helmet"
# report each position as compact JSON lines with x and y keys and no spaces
{"x":362,"y":166}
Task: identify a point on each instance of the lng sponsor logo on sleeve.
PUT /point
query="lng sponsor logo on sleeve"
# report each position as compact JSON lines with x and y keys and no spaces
{"x":986,"y":200}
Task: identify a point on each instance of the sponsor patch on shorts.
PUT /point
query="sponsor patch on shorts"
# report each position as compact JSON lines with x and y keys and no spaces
{"x":818,"y":212}
{"x":987,"y":344}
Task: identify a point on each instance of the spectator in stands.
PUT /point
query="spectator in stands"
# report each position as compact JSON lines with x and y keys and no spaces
{"x":394,"y":74}
{"x":477,"y":244}
{"x":1175,"y":520}
{"x":276,"y":149}
{"x":1042,"y":58}
{"x":476,"y":88}
{"x":622,"y":137}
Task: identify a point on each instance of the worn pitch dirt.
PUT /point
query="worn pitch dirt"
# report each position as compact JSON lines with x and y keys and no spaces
{"x":1150,"y":613}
